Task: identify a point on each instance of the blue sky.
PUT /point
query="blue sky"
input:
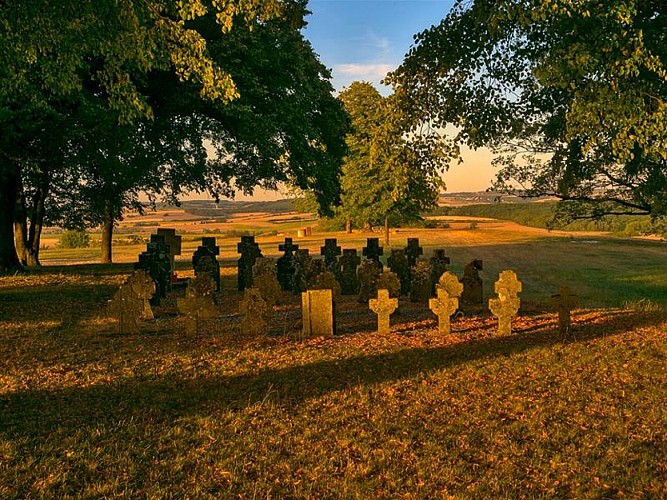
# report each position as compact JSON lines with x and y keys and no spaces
{"x":364,"y":39}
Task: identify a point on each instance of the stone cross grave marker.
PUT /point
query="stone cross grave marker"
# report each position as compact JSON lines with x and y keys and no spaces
{"x":174,"y":242}
{"x":327,"y":281}
{"x":155,"y":261}
{"x":383,"y":306}
{"x":420,"y":285}
{"x":444,"y":306}
{"x":317,"y":313}
{"x":564,"y":302}
{"x":208,"y":265}
{"x":264,"y":279}
{"x":330,"y":251}
{"x":398,"y":263}
{"x":373,"y":251}
{"x":449,"y":282}
{"x":207,"y":250}
{"x":413,"y":251}
{"x":303,"y":264}
{"x":439,"y":262}
{"x":255,"y":313}
{"x":198,"y":304}
{"x":388,"y":280}
{"x":473,"y":291}
{"x":285,"y":264}
{"x":250,"y":252}
{"x":367,"y":273}
{"x":144,"y":287}
{"x":506,"y":306}
{"x":126,"y":307}
{"x":349,"y":283}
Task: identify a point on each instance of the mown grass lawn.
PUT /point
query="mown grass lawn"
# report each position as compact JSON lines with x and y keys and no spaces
{"x":85,"y":412}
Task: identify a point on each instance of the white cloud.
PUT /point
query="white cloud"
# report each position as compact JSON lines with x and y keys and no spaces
{"x":376,"y":70}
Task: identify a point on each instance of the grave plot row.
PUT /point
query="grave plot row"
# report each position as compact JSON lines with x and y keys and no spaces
{"x":131,"y":303}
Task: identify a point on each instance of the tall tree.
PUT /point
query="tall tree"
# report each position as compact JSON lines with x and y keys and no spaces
{"x":383,"y":173}
{"x":51,"y":51}
{"x":285,"y":126}
{"x":572,"y":96}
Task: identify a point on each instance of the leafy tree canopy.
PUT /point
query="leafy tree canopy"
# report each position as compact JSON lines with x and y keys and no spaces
{"x":385,"y":172}
{"x":570,"y":94}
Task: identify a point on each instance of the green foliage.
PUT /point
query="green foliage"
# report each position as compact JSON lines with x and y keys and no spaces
{"x":74,"y":238}
{"x":572,"y":96}
{"x":383,"y":175}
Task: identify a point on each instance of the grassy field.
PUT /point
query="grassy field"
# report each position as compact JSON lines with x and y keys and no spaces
{"x":85,"y":412}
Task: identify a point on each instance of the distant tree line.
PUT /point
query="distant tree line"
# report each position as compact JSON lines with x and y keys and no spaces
{"x":546,"y":215}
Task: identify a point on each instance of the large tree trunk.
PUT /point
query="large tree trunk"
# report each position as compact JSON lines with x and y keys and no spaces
{"x":9,"y":176}
{"x":20,"y":224}
{"x":107,"y":233}
{"x":348,"y":224}
{"x":386,"y":231}
{"x":37,"y":222}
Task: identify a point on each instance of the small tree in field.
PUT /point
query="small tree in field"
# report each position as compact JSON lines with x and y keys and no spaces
{"x":74,"y":238}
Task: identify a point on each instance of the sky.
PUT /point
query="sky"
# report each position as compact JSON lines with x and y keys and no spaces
{"x":365,"y":39}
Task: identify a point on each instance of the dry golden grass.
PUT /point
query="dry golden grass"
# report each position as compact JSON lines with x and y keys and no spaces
{"x":85,"y":412}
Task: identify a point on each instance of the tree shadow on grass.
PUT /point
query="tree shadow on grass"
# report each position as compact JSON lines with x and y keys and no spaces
{"x":35,"y":414}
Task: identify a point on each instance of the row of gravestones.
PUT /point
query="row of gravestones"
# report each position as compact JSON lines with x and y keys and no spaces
{"x":319,"y":306}
{"x":132,"y":302}
{"x":155,"y":274}
{"x":297,"y":271}
{"x":158,"y":262}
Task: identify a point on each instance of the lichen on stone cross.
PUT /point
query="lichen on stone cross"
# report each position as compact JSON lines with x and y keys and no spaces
{"x":330,"y":251}
{"x":390,"y":281}
{"x":383,"y":306}
{"x":443,"y":306}
{"x":126,"y":307}
{"x":174,"y":242}
{"x":564,"y":302}
{"x":327,"y":281}
{"x":198,"y":304}
{"x":255,"y":313}
{"x":450,"y":282}
{"x":506,"y":306}
{"x":143,"y":285}
{"x":201,"y":286}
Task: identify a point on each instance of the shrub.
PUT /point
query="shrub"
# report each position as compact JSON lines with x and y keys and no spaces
{"x":74,"y":238}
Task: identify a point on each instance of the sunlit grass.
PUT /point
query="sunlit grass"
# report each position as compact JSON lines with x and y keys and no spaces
{"x":85,"y":412}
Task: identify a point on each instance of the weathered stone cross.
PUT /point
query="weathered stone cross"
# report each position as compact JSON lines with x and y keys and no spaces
{"x":144,"y":287}
{"x":174,"y":242}
{"x":383,"y":306}
{"x":506,"y":306}
{"x":564,"y":302}
{"x":126,"y":307}
{"x":198,"y":304}
{"x":373,"y":250}
{"x":330,"y":251}
{"x":447,"y":302}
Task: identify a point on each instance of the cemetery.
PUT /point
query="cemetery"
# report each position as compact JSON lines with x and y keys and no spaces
{"x":322,"y":249}
{"x":255,"y":354}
